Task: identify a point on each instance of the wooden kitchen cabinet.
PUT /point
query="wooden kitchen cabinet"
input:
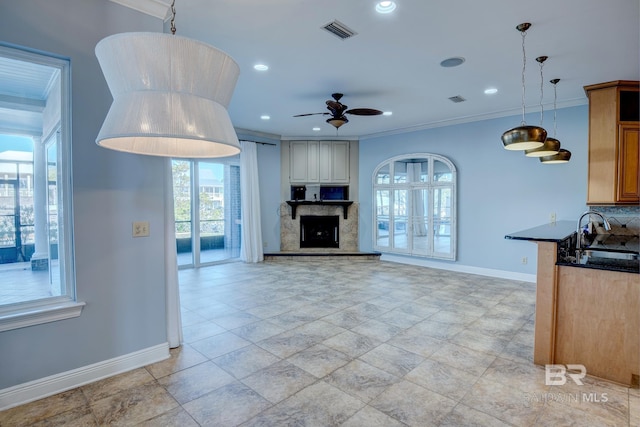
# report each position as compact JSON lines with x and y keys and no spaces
{"x":587,"y":316}
{"x":628,"y":173}
{"x":613,"y":171}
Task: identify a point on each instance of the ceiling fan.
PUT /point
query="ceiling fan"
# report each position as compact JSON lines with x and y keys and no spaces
{"x":338,"y":111}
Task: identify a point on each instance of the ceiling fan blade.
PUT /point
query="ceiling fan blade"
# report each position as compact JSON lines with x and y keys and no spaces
{"x":335,"y":107}
{"x":310,"y":114}
{"x":364,"y":112}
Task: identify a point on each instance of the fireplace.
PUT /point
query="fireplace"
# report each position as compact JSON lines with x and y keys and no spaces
{"x":291,"y":230}
{"x":319,"y":231}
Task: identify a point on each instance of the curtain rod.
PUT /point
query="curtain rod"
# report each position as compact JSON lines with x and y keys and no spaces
{"x":258,"y":142}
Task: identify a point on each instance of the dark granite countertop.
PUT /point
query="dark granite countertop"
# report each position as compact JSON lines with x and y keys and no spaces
{"x":609,"y":264}
{"x":555,"y":232}
{"x":560,"y":231}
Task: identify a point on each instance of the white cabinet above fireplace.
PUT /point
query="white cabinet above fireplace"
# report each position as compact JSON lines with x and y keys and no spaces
{"x":319,"y":162}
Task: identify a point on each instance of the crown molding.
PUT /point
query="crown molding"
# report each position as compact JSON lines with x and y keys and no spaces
{"x":156,"y":8}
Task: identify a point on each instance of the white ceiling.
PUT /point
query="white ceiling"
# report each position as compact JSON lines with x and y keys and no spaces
{"x":392,"y":64}
{"x":393,"y":61}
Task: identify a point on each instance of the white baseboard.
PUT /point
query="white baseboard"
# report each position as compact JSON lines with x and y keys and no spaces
{"x":523,"y":277}
{"x":54,"y":384}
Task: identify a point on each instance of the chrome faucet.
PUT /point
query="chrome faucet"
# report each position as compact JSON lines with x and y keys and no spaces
{"x":605,"y":223}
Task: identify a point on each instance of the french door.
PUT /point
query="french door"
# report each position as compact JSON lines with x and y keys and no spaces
{"x":207,"y":211}
{"x":414,"y":208}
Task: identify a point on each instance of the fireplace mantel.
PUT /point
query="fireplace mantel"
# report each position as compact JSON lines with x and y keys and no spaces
{"x":295,"y":203}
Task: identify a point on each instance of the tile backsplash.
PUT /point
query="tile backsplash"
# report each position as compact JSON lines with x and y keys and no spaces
{"x":625,"y":220}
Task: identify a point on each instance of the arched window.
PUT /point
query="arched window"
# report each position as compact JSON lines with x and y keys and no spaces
{"x":415,"y":206}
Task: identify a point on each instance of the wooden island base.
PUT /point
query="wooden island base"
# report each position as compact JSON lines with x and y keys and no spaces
{"x":589,"y":317}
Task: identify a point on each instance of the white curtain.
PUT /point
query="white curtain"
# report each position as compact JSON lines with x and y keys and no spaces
{"x":251,"y":243}
{"x":174,"y":320}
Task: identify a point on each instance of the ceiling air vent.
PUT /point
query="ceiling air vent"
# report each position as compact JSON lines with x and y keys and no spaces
{"x":457,"y":99}
{"x":340,"y":30}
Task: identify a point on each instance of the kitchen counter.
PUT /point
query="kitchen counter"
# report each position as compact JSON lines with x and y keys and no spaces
{"x":588,"y":313}
{"x":552,"y":232}
{"x":563,"y":233}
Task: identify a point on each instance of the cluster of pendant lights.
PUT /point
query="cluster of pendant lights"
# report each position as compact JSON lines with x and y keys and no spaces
{"x":533,"y":140}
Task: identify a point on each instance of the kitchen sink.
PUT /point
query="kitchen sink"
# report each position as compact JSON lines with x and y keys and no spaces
{"x":594,"y":253}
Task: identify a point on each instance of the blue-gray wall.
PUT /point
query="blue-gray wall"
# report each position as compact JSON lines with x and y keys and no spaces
{"x":118,"y":277}
{"x":499,"y":191}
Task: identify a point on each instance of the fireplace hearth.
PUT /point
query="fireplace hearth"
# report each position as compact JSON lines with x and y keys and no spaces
{"x":319,"y":231}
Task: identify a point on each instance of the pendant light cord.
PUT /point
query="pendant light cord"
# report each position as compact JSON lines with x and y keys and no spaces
{"x":524,"y":65}
{"x":173,"y":17}
{"x":541,"y":91}
{"x":555,"y":97}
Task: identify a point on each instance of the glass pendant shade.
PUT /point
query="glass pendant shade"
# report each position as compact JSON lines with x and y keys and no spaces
{"x":337,"y":122}
{"x":170,"y":96}
{"x":563,"y":156}
{"x":524,"y":137}
{"x":550,"y":147}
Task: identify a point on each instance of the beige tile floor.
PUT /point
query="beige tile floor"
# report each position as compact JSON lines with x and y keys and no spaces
{"x":343,"y":343}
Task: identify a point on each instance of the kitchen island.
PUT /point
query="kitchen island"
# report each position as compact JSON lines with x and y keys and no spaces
{"x":586,"y":313}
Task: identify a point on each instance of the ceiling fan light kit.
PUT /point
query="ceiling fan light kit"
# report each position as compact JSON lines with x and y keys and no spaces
{"x":337,"y":122}
{"x":524,"y":137}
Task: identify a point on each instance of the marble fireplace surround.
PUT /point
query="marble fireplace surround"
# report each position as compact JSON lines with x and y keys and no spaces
{"x":290,"y":228}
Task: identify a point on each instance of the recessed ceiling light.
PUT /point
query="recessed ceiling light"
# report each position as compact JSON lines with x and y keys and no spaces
{"x":387,"y":113}
{"x":452,"y":62}
{"x":265,"y":117}
{"x":316,"y":129}
{"x":490,"y":91}
{"x":261,"y":67}
{"x":385,"y":7}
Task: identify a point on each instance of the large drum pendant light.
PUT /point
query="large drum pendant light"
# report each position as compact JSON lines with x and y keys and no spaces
{"x":524,"y":137}
{"x":170,"y":96}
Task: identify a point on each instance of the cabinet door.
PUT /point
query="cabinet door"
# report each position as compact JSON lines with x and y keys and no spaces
{"x":298,"y":161}
{"x":324,"y":161}
{"x":340,"y":161}
{"x":628,"y":170}
{"x":313,"y":170}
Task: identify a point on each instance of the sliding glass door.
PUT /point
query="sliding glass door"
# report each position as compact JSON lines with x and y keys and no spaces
{"x":207,"y":211}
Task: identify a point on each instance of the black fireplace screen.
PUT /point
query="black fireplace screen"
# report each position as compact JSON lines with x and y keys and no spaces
{"x":319,"y":231}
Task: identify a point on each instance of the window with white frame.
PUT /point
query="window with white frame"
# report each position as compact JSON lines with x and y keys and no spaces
{"x":37,"y":276}
{"x":414,"y":199}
